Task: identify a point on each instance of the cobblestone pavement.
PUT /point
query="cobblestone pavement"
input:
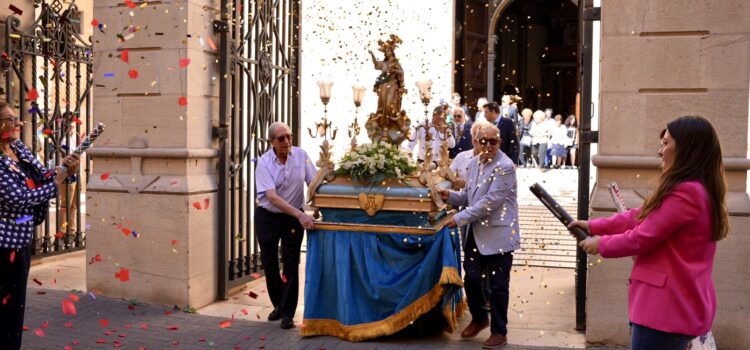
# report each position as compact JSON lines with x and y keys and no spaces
{"x":103,"y":323}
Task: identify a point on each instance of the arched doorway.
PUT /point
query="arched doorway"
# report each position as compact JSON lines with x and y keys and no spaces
{"x":535,"y":53}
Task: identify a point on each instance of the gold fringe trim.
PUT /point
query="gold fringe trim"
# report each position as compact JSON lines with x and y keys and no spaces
{"x":396,"y":322}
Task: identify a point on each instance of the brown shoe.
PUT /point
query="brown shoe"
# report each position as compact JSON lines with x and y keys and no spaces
{"x":474,"y":328}
{"x":495,"y":341}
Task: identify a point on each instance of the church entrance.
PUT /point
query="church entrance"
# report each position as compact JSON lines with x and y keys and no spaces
{"x":536,"y":54}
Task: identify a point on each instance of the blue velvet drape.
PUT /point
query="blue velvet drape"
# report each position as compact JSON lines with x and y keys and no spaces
{"x":361,"y":285}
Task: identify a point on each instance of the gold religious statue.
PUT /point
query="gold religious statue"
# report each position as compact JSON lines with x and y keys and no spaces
{"x":389,"y":123}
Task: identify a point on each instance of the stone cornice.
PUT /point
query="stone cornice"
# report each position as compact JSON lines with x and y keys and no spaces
{"x":643,"y":162}
{"x":179,"y":153}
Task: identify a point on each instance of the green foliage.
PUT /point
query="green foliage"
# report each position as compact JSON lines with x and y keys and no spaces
{"x":374,"y":162}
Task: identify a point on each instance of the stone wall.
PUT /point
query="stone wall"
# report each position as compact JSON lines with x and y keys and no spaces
{"x":661,"y":60}
{"x":156,"y":160}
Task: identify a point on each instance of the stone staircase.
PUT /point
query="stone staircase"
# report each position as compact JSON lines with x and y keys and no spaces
{"x":544,"y":240}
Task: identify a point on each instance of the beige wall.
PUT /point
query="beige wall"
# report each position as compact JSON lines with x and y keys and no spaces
{"x":158,"y":155}
{"x":661,"y":60}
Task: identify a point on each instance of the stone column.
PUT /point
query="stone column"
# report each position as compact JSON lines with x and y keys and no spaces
{"x":152,"y":194}
{"x":661,"y":60}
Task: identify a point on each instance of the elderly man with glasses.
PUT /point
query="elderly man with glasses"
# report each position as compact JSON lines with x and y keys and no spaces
{"x":491,"y":213}
{"x":461,"y":132}
{"x":280,"y":176}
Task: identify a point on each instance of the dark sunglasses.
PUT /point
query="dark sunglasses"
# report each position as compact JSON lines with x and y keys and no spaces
{"x":489,"y":141}
{"x":281,"y":138}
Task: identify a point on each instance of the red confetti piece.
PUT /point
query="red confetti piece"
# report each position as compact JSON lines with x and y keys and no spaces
{"x":105,"y":176}
{"x":173,"y":182}
{"x":68,"y":347}
{"x":37,"y":281}
{"x":73,"y":297}
{"x":197,"y":205}
{"x":59,"y":234}
{"x":16,"y":10}
{"x":30,"y":183}
{"x":69,"y":324}
{"x":126,"y":231}
{"x":184,"y":62}
{"x":96,"y":258}
{"x":255,"y":275}
{"x":262,"y":337}
{"x":101,"y":341}
{"x":174,"y":242}
{"x":283,"y":278}
{"x":252,"y":295}
{"x":144,"y":326}
{"x":69,"y":308}
{"x":133,"y":74}
{"x":32,"y":95}
{"x":182,"y":101}
{"x":39,"y":332}
{"x":47,"y":131}
{"x":25,"y":328}
{"x":127,"y":326}
{"x":77,"y":121}
{"x":167,"y":312}
{"x":122,"y":335}
{"x":5,"y":300}
{"x":125,"y":56}
{"x":123,"y":275}
{"x":225,"y":324}
{"x":172,"y":328}
{"x":6,"y":135}
{"x":205,"y":203}
{"x":244,"y":311}
{"x":94,"y":22}
{"x":131,"y":307}
{"x":104,"y":322}
{"x":12,"y":256}
{"x":211,"y":43}
{"x":44,"y":324}
{"x":201,"y":340}
{"x":130,"y":4}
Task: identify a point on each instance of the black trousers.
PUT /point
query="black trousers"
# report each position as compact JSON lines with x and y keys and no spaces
{"x":271,"y":228}
{"x":497,"y":269}
{"x":13,"y":278}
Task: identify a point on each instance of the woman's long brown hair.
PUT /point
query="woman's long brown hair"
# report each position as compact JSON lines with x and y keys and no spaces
{"x":697,"y":157}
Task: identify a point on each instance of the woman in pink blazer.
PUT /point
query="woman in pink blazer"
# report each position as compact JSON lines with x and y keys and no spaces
{"x":671,"y":298}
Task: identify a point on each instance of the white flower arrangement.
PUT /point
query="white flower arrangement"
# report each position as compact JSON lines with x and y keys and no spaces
{"x":373,"y":162}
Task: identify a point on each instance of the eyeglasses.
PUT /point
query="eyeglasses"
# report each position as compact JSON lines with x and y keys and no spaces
{"x":492,"y":142}
{"x":281,"y":138}
{"x":13,"y":119}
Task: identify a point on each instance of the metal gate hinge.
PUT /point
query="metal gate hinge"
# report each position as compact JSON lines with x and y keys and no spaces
{"x":221,"y":26}
{"x":221,"y":132}
{"x":591,"y":136}
{"x":592,"y":14}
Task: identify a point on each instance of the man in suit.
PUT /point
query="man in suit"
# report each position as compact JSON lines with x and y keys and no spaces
{"x":491,"y":214}
{"x":461,"y":132}
{"x":508,"y":137}
{"x":509,"y":111}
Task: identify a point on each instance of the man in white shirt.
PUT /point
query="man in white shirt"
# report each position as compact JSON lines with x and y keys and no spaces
{"x":280,"y":176}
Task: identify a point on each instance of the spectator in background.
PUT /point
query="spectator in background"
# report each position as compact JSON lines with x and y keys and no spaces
{"x":524,"y":156}
{"x":456,"y":102}
{"x":572,"y":126}
{"x":481,"y":102}
{"x":551,"y":125}
{"x":461,"y":132}
{"x":438,"y":132}
{"x":509,"y":111}
{"x":508,"y":137}
{"x":559,"y":141}
{"x":540,"y":134}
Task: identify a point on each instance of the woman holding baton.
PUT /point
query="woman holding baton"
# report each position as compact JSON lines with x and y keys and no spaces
{"x":25,"y":190}
{"x":671,"y":297}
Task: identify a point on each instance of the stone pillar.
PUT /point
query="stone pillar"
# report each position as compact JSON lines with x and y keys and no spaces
{"x":152,"y":194}
{"x":661,"y":60}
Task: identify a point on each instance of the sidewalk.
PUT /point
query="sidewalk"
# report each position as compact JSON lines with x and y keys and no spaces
{"x":108,"y":323}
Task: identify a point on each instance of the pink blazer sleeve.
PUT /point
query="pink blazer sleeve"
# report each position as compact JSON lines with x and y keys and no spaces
{"x":678,"y":208}
{"x":614,"y":224}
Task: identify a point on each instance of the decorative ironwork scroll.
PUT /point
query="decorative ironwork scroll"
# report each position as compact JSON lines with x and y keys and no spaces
{"x":48,"y":76}
{"x":259,"y":41}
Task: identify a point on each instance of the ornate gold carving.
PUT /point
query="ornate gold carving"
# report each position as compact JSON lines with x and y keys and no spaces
{"x":371,"y":203}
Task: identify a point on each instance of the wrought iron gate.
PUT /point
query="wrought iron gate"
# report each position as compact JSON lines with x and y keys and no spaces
{"x":48,"y":73}
{"x":260,"y":69}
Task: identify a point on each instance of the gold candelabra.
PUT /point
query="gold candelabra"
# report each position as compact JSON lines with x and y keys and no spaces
{"x":359,"y":93}
{"x":323,"y":128}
